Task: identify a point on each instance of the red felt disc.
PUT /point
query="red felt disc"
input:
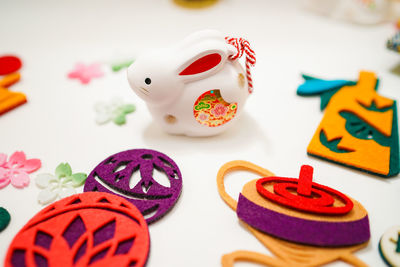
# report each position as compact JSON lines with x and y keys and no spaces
{"x":93,"y":228}
{"x":305,"y":195}
{"x":9,"y":64}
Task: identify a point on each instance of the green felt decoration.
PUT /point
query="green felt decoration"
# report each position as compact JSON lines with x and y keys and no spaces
{"x":63,"y":170}
{"x":362,"y":130}
{"x":394,"y":144}
{"x":373,"y":107}
{"x":128,"y":108}
{"x":4,"y":218}
{"x":326,"y":97}
{"x":119,"y":66}
{"x":332,"y":145}
{"x":78,"y":179}
{"x":120,"y":119}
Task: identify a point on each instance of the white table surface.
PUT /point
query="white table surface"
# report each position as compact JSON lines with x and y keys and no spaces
{"x":57,"y":124}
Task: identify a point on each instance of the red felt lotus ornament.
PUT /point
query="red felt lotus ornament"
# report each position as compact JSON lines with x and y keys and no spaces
{"x":89,"y":229}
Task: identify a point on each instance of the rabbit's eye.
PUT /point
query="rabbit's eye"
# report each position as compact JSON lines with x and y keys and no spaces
{"x":147,"y":81}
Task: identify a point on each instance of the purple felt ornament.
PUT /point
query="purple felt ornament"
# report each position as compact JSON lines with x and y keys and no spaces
{"x":117,"y":175}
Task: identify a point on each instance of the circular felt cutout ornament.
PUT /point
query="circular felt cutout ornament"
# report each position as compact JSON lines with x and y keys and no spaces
{"x":147,"y":178}
{"x":88,"y":229}
{"x":4,"y":218}
{"x":389,"y":246}
{"x":9,"y":64}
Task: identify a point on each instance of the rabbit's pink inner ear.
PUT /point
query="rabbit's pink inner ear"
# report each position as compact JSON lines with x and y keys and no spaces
{"x":202,"y":64}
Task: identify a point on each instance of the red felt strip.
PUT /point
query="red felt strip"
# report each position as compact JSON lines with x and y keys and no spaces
{"x":9,"y":64}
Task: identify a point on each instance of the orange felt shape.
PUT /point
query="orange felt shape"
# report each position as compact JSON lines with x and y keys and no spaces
{"x":8,"y":99}
{"x":356,"y":100}
{"x":286,"y":253}
{"x":96,"y":229}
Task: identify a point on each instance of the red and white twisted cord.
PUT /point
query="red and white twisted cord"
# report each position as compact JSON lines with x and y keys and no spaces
{"x":243,"y":46}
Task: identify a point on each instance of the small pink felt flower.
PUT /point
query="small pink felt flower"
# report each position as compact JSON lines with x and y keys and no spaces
{"x":16,"y":169}
{"x":219,"y":110}
{"x":86,"y":72}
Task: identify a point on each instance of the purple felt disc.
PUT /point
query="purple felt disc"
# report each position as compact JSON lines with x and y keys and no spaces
{"x":310,"y":232}
{"x":136,"y":176}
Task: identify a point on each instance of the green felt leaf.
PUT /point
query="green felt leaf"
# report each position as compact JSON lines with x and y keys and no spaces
{"x":4,"y":218}
{"x":120,"y":66}
{"x":128,"y":108}
{"x":63,"y":170}
{"x":332,"y":145}
{"x":78,"y":179}
{"x":120,"y":119}
{"x":116,"y":68}
{"x":373,"y":107}
{"x":326,"y":97}
{"x":398,"y":243}
{"x":362,"y":130}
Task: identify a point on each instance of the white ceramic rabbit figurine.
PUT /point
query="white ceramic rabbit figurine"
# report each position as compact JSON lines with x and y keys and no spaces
{"x":192,"y":88}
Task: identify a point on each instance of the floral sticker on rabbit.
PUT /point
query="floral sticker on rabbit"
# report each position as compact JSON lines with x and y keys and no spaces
{"x":196,"y":87}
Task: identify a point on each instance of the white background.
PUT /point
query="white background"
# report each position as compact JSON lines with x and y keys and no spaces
{"x":57,"y":124}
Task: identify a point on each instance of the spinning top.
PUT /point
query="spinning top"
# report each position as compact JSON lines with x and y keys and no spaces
{"x":302,"y":211}
{"x":301,"y":222}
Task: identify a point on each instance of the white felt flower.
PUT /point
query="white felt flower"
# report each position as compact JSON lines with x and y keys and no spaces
{"x":115,"y":111}
{"x":61,"y":184}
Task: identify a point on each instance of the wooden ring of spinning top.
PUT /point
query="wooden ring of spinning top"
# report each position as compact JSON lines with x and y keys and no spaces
{"x":301,"y":211}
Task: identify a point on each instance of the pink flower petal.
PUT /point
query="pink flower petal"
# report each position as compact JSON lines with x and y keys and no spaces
{"x":17,"y":158}
{"x":4,"y":173}
{"x":3,"y":159}
{"x":73,"y":74}
{"x":4,"y":182}
{"x":31,"y":165}
{"x":86,"y":72}
{"x":20,"y":180}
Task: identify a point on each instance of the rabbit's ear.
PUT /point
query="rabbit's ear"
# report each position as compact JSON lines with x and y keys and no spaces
{"x":202,"y":63}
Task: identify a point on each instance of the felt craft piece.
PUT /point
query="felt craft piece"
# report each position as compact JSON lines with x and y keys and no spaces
{"x":309,"y":196}
{"x":115,"y":111}
{"x":285,"y":230}
{"x":9,"y":64}
{"x":394,"y":43}
{"x":85,"y":73}
{"x":88,"y":229}
{"x":359,"y":128}
{"x":61,"y":184}
{"x":147,"y":178}
{"x":4,"y":218}
{"x":10,"y":100}
{"x":121,"y":65}
{"x":389,"y":246}
{"x":16,"y":169}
